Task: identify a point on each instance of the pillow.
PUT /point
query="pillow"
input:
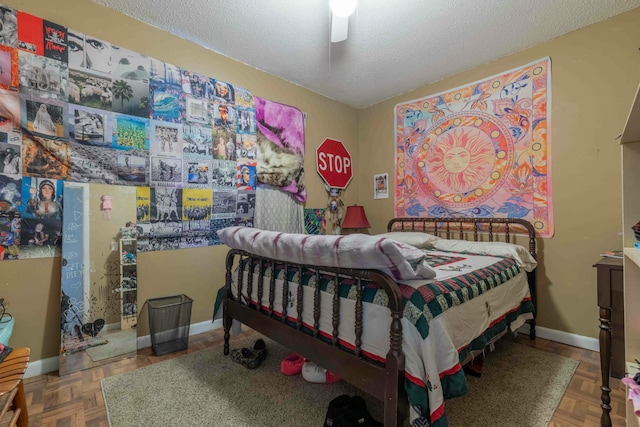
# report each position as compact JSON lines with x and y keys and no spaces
{"x":413,"y":238}
{"x":399,"y":260}
{"x":501,"y":249}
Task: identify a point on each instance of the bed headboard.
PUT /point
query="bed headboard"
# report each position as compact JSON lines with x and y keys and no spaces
{"x":496,"y":229}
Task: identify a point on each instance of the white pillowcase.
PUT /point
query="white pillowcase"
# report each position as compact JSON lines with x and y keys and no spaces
{"x":400,"y":261}
{"x":413,"y":238}
{"x":502,"y":249}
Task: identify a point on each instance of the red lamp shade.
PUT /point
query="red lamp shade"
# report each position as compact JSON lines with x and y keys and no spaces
{"x":355,"y":218}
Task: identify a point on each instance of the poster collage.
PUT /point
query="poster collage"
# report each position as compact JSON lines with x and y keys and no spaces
{"x":76,"y":108}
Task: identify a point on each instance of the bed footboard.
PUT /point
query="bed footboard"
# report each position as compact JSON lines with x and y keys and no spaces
{"x":383,"y":381}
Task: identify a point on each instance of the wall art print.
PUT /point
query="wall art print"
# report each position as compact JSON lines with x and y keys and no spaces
{"x":77,"y":108}
{"x":480,"y":150}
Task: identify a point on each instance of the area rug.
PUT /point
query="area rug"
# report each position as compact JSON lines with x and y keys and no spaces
{"x":519,"y":386}
{"x":117,"y":343}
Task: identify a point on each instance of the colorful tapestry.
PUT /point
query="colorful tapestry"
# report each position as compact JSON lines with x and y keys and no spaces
{"x":280,"y":139}
{"x":480,"y":150}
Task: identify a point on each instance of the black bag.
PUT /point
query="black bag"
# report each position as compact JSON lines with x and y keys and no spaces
{"x":345,"y":411}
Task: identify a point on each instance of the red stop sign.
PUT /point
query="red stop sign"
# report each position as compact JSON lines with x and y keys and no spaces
{"x":334,"y":163}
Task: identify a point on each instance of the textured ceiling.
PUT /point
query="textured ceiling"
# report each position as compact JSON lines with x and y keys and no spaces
{"x":393,"y":46}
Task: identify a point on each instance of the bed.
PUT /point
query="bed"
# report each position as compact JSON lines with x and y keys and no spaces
{"x":396,"y":320}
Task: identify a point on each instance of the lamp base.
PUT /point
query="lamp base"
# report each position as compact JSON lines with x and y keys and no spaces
{"x":346,"y":231}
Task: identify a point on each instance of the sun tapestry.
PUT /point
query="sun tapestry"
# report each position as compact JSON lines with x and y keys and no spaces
{"x":480,"y":150}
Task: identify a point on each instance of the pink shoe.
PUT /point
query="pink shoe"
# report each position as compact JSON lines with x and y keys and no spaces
{"x":316,"y":374}
{"x":292,"y":364}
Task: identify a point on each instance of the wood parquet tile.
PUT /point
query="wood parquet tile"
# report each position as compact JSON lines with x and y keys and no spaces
{"x":76,"y":400}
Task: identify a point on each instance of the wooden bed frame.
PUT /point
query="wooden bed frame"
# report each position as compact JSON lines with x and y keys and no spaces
{"x":384,"y":382}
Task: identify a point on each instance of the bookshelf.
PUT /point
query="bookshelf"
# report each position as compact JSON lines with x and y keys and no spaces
{"x":630,"y":146}
{"x":128,"y":288}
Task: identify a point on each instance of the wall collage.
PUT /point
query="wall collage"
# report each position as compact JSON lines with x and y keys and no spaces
{"x":76,"y":108}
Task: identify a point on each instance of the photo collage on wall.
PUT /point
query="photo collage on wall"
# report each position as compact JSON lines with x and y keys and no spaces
{"x":77,"y":108}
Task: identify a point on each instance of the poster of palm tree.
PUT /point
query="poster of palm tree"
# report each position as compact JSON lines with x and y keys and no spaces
{"x":131,"y":97}
{"x":130,"y":77}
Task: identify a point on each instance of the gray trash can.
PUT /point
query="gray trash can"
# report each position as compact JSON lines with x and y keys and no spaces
{"x":169,"y":320}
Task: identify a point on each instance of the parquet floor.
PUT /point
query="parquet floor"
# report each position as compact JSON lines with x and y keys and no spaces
{"x":76,"y":399}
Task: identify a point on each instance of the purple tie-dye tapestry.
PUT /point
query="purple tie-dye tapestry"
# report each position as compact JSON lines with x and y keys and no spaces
{"x":280,"y":139}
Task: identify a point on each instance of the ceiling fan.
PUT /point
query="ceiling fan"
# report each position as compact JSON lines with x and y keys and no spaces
{"x":340,"y":12}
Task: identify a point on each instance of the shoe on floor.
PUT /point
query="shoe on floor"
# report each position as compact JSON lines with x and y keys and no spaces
{"x":260,"y":347}
{"x":316,"y":374}
{"x":246,"y":357}
{"x":292,"y":364}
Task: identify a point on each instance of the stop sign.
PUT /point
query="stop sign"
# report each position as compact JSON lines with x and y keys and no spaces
{"x":334,"y":163}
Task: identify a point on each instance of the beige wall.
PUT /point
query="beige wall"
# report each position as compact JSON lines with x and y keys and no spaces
{"x":595,"y":72}
{"x":33,"y":286}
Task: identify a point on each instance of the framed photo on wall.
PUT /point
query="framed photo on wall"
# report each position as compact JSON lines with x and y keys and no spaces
{"x":381,"y":186}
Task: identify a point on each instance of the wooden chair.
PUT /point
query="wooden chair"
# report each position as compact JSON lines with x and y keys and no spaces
{"x":14,"y":407}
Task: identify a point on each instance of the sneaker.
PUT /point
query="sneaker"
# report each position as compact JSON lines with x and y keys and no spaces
{"x":316,"y":374}
{"x":246,"y":357}
{"x":260,"y":347}
{"x":292,"y":364}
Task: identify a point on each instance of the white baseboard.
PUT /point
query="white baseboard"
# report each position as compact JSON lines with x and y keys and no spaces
{"x":111,"y":326}
{"x":44,"y":366}
{"x":195,"y":328}
{"x":41,"y":367}
{"x":574,"y":340}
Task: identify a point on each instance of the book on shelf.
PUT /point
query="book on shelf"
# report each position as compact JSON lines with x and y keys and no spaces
{"x":612,"y":254}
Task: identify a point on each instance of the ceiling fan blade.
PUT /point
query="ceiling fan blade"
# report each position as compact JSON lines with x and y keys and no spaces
{"x":339,"y":28}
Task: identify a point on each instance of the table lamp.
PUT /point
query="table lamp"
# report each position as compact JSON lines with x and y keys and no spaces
{"x":355,"y":218}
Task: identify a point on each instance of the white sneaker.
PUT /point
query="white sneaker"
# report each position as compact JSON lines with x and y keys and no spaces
{"x":316,"y":374}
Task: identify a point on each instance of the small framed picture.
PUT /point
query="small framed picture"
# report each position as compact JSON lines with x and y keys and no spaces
{"x":381,"y":186}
